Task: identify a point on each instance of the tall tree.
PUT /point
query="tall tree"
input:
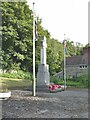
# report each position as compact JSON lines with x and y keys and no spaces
{"x":17,"y":40}
{"x":16,"y":35}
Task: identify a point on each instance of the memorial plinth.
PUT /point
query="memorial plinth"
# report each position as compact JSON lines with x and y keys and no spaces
{"x":43,"y":76}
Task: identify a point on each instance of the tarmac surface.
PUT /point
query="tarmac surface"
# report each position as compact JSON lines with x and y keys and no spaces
{"x":72,"y":103}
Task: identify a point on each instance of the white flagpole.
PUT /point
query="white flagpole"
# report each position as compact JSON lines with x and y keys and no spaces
{"x":64,"y":64}
{"x":34,"y":81}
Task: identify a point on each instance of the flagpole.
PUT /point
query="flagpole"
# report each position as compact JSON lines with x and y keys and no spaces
{"x":64,"y":64}
{"x":34,"y":81}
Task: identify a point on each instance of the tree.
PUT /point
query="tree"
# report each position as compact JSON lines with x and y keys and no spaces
{"x":54,"y":55}
{"x":71,"y":50}
{"x":17,"y":35}
{"x":17,"y":40}
{"x":79,"y":48}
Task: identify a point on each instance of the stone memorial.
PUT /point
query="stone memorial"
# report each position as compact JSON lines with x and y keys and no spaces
{"x":43,"y":76}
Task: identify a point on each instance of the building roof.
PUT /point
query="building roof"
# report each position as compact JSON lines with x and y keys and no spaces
{"x":79,"y":59}
{"x":74,"y":60}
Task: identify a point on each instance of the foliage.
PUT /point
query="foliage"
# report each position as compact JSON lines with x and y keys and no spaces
{"x":54,"y":55}
{"x":18,"y":75}
{"x":87,"y":46}
{"x":17,"y":41}
{"x":79,"y":48}
{"x":82,"y":81}
{"x":16,"y":35}
{"x":71,"y":49}
{"x":54,"y":80}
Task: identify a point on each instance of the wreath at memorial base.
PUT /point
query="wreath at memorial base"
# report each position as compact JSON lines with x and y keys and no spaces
{"x":55,"y":88}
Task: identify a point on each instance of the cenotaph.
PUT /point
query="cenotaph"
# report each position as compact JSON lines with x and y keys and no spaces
{"x":43,"y":76}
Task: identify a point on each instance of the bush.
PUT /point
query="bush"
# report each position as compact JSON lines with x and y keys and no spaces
{"x":56,"y":80}
{"x":19,"y":75}
{"x":82,"y":81}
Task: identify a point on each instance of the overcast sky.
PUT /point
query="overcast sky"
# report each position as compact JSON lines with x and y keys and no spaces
{"x":61,"y":17}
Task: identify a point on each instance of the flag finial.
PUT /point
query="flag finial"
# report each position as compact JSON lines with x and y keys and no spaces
{"x":33,"y":3}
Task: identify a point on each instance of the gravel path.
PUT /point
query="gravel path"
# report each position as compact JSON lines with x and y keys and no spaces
{"x":65,"y":104}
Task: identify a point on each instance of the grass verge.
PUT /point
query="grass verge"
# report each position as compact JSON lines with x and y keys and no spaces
{"x":80,"y":82}
{"x":10,"y":83}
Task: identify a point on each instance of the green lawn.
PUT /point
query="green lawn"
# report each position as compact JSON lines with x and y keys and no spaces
{"x":72,"y":84}
{"x":9,"y":83}
{"x":81,"y":82}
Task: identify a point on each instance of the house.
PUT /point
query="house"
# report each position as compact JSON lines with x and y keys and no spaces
{"x":77,"y":65}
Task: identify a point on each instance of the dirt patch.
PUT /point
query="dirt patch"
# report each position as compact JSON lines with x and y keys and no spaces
{"x":65,"y":104}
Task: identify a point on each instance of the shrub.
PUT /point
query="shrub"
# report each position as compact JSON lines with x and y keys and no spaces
{"x":19,"y":75}
{"x":56,"y":80}
{"x":82,"y":81}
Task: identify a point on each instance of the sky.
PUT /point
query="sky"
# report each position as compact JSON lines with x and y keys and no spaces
{"x":59,"y":17}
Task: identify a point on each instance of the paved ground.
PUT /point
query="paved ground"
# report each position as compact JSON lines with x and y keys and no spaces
{"x":72,"y":103}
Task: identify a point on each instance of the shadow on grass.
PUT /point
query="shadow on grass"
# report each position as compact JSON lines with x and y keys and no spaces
{"x":15,"y":83}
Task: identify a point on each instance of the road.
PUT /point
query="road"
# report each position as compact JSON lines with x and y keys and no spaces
{"x":72,"y":103}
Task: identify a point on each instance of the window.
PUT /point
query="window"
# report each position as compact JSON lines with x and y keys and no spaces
{"x":83,"y":66}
